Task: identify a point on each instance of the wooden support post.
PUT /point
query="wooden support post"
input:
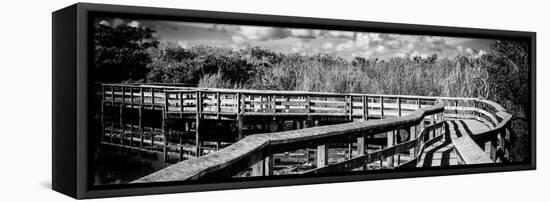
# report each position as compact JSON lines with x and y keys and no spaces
{"x":269,"y":165}
{"x":218,"y":105}
{"x":419,"y":101}
{"x":102,"y":113}
{"x":442,"y":128}
{"x":390,"y":143}
{"x":456,"y":106}
{"x":257,"y":165}
{"x":112,"y":96}
{"x":365,"y":108}
{"x":141,"y":96}
{"x":412,"y":133}
{"x":381,"y":158}
{"x":493,"y":151}
{"x":350,"y":108}
{"x":180,"y":152}
{"x":132,"y":97}
{"x":398,"y":106}
{"x":198,"y":149}
{"x":381,"y":107}
{"x":361,"y":149}
{"x":112,"y":131}
{"x":123,"y":100}
{"x":165,"y":135}
{"x":240,"y":112}
{"x":322,"y":156}
{"x":308,"y":105}
{"x":350,"y":151}
{"x":507,"y":143}
{"x":121,"y":122}
{"x":274,"y":104}
{"x":152,"y":98}
{"x":432,"y":123}
{"x":102,"y":138}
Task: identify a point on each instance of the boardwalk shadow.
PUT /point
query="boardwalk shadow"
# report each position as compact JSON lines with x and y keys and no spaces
{"x":466,"y":128}
{"x":446,"y":153}
{"x":428,"y":156}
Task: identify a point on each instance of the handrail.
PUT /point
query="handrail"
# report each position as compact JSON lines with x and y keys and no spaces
{"x":253,"y":149}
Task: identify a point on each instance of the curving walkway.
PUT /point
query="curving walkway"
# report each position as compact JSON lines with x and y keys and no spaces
{"x":441,"y":153}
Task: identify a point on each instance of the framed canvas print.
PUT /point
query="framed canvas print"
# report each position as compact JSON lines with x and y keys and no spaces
{"x":156,"y":100}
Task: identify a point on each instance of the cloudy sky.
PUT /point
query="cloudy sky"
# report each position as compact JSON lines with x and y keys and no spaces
{"x":307,"y":41}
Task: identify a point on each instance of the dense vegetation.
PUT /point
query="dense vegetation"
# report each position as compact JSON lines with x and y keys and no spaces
{"x":128,"y":54}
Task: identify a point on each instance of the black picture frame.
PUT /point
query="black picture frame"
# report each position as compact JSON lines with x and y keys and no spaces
{"x":72,"y":89}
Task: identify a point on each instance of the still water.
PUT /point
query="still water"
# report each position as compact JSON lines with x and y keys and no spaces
{"x":117,"y":165}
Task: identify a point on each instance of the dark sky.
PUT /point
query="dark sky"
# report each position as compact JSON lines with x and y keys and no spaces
{"x":307,"y":41}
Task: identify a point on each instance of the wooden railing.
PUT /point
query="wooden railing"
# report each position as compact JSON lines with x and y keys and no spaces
{"x":496,"y":142}
{"x":420,"y":116}
{"x":257,"y":151}
{"x":216,"y":103}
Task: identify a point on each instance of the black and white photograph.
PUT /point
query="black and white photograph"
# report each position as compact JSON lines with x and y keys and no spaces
{"x":210,"y":102}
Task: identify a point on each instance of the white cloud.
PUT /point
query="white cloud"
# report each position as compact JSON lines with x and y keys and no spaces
{"x":116,"y":22}
{"x":328,"y":46}
{"x":380,"y":48}
{"x":340,"y":34}
{"x":304,"y":33}
{"x":105,"y":23}
{"x":134,"y":24}
{"x":183,"y":44}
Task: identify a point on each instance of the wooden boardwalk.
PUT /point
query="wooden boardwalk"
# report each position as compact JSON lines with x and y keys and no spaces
{"x":441,"y":153}
{"x":410,"y":131}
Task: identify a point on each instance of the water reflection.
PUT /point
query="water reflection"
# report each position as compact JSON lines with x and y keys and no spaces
{"x":117,"y":165}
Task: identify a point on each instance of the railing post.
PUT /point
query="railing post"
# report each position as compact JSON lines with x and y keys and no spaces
{"x":198,"y":149}
{"x":152,"y":98}
{"x":257,"y":165}
{"x":507,"y":143}
{"x":434,"y":134}
{"x":361,"y":149}
{"x":132,"y":96}
{"x":308,"y":105}
{"x":419,"y":101}
{"x":494,"y":144}
{"x":269,"y":165}
{"x":218,"y":103}
{"x":274,"y":104}
{"x":412,"y":134}
{"x":165,"y":136}
{"x":398,"y":106}
{"x":442,"y":128}
{"x":240,"y":112}
{"x":180,"y":95}
{"x":350,"y":108}
{"x":322,"y":156}
{"x":142,"y":97}
{"x":381,"y":107}
{"x":365,"y":108}
{"x":390,"y":142}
